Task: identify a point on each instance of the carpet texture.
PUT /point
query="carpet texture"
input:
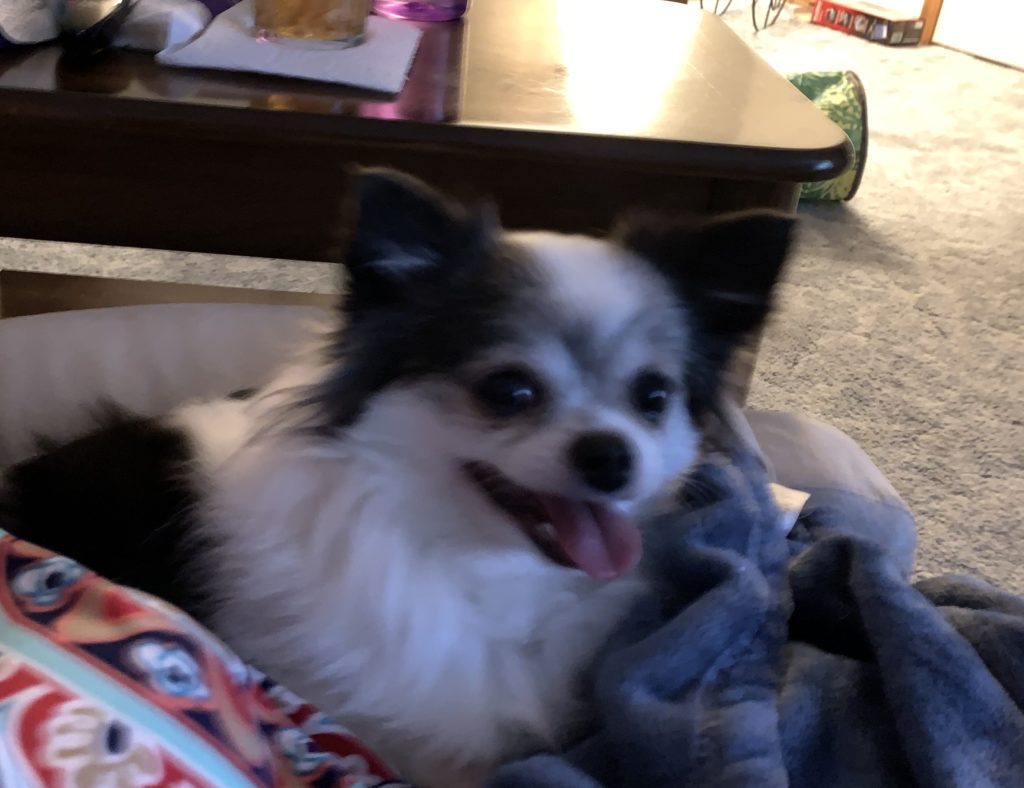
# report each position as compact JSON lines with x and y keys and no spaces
{"x":902,"y":320}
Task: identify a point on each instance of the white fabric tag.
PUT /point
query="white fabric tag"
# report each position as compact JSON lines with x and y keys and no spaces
{"x":790,"y":502}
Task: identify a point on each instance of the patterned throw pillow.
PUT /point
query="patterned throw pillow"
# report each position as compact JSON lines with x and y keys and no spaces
{"x":102,"y":685}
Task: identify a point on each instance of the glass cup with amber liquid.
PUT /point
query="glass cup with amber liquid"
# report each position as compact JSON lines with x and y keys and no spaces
{"x":339,"y":21}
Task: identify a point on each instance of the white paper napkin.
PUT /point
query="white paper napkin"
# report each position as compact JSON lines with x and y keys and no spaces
{"x":381,"y":62}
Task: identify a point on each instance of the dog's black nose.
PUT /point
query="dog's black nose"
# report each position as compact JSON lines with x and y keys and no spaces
{"x":602,"y":459}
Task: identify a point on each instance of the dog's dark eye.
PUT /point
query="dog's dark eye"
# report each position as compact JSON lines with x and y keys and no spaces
{"x":508,"y":392}
{"x":650,"y":394}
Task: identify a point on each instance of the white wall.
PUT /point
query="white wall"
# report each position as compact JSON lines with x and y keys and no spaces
{"x":992,"y":29}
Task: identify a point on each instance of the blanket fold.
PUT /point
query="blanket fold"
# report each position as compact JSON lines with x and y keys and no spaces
{"x":807,"y":659}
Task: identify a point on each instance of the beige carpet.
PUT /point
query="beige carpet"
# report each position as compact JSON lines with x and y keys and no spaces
{"x":903,"y":319}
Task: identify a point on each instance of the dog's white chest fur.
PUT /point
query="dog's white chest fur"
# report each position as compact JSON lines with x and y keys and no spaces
{"x":342,"y":574}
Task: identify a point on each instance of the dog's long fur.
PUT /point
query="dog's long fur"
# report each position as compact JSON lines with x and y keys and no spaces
{"x":325,"y":526}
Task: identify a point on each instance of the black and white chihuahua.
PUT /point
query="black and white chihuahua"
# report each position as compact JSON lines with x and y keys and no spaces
{"x":425,"y":523}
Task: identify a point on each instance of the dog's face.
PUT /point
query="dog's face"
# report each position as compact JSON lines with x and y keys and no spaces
{"x":567,"y":378}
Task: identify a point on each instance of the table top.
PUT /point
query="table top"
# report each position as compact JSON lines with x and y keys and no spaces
{"x":643,"y":81}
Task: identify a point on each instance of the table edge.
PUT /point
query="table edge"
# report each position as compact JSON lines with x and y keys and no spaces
{"x":692,"y":158}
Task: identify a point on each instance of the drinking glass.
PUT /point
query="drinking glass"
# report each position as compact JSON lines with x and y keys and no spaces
{"x":340,"y":21}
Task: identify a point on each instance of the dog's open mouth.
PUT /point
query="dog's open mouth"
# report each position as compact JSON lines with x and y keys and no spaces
{"x":593,"y":537}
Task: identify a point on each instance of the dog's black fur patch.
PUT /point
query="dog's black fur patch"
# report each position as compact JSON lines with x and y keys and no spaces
{"x":724,"y":270}
{"x":430,"y":284}
{"x":117,"y":501}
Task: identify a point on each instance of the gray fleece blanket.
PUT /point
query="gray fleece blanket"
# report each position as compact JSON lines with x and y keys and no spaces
{"x":806,"y":659}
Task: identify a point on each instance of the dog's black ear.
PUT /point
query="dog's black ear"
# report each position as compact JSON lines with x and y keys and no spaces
{"x":736,"y":262}
{"x":406,"y":236}
{"x":724,"y":269}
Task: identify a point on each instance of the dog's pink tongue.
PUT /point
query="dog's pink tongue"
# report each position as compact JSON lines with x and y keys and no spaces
{"x":597,"y":539}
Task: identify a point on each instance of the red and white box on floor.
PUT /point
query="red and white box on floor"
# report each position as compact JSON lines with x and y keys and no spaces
{"x":870,"y":21}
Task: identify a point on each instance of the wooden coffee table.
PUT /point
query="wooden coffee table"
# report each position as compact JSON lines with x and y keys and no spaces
{"x":565,"y":110}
